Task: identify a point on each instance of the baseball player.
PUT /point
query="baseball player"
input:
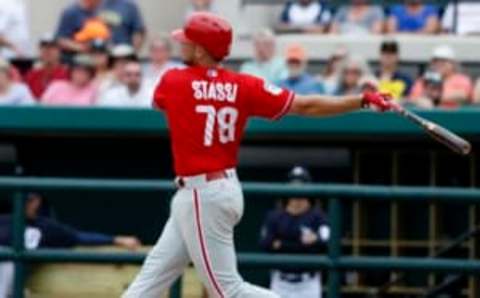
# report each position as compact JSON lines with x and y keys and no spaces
{"x":207,"y":108}
{"x":297,"y":229}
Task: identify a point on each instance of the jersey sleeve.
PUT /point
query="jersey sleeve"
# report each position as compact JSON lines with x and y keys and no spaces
{"x":267,"y":235}
{"x":267,"y":100}
{"x":161,"y":93}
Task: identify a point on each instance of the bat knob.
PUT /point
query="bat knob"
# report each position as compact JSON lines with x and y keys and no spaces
{"x":466,"y":149}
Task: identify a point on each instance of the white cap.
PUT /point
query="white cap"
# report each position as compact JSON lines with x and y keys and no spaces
{"x":444,"y":52}
{"x":122,"y":50}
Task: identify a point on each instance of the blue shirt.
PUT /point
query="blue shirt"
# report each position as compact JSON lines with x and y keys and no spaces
{"x":303,"y":85}
{"x":124,"y":20}
{"x":72,"y":20}
{"x":407,"y":22}
{"x":280,"y":225}
{"x":127,"y":17}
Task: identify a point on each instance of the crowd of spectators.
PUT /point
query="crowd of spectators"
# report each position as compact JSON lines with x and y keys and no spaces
{"x":92,"y":57}
{"x":363,"y":17}
{"x":90,"y":60}
{"x":443,"y":83}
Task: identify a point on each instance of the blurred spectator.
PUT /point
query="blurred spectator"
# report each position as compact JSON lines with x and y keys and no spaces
{"x":299,"y":81}
{"x":413,"y":17}
{"x":457,"y":87}
{"x":14,"y":29}
{"x":354,"y":73}
{"x":79,"y":90}
{"x":134,"y":93}
{"x":120,"y":55}
{"x":266,"y":64}
{"x":48,"y":68}
{"x":432,"y":92}
{"x":160,"y":60}
{"x":101,"y":58}
{"x":11,"y":92}
{"x":309,"y":16}
{"x":79,"y":25}
{"x":44,"y":232}
{"x":200,"y":5}
{"x":298,"y":228}
{"x":358,"y":18}
{"x":462,"y":18}
{"x":329,"y":76}
{"x":391,"y":80}
{"x":476,"y":92}
{"x":125,"y":22}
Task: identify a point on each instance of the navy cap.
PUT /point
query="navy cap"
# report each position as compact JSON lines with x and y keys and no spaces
{"x":299,"y":174}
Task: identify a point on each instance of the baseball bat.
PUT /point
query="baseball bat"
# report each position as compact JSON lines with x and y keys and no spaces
{"x":439,"y":133}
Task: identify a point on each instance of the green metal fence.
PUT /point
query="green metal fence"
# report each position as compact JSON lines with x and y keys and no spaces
{"x":334,"y":262}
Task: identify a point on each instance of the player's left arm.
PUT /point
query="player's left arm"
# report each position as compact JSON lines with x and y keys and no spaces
{"x":317,"y":105}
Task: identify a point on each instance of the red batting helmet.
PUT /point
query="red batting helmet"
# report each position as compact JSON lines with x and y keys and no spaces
{"x":209,"y":31}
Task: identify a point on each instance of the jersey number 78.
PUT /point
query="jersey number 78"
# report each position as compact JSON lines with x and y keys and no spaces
{"x":224,"y":118}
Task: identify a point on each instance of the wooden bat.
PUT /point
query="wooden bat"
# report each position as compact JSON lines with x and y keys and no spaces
{"x":439,"y":133}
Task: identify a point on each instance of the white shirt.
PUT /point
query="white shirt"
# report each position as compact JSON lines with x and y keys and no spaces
{"x":119,"y":96}
{"x":17,"y":95}
{"x":468,"y":18}
{"x":14,"y":27}
{"x":300,"y":15}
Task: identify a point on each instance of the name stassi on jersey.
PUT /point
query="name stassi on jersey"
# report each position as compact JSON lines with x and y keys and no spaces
{"x":205,"y":90}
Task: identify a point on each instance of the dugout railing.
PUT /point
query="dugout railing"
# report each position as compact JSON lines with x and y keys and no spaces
{"x":333,"y":262}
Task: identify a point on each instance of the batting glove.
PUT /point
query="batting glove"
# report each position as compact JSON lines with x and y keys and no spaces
{"x":376,"y":100}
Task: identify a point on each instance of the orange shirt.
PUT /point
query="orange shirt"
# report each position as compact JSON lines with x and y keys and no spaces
{"x":451,"y":85}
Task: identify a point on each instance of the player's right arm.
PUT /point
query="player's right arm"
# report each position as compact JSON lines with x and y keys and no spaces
{"x":323,"y":105}
{"x":268,"y":101}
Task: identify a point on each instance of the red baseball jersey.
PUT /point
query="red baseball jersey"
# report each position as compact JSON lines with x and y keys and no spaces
{"x":207,"y":110}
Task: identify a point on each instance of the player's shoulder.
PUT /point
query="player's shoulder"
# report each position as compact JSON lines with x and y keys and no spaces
{"x":173,"y":76}
{"x":245,"y":77}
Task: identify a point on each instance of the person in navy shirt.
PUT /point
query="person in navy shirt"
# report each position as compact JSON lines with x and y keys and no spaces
{"x":390,"y":79}
{"x":44,"y":232}
{"x":413,"y":17}
{"x":126,"y":22}
{"x":298,"y":80}
{"x":72,"y":20}
{"x":115,"y":21}
{"x":307,"y":16}
{"x":298,"y":228}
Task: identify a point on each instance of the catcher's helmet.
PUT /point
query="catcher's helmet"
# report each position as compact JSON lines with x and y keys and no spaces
{"x":209,"y":31}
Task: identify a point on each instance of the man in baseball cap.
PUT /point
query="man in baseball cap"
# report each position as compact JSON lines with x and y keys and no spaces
{"x":457,"y":86}
{"x":49,"y":67}
{"x":299,"y":80}
{"x":298,"y":227}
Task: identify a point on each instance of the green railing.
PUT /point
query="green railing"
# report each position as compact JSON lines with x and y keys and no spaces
{"x":334,"y":261}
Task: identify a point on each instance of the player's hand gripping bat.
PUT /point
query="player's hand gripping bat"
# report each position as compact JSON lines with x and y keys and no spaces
{"x":439,"y":133}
